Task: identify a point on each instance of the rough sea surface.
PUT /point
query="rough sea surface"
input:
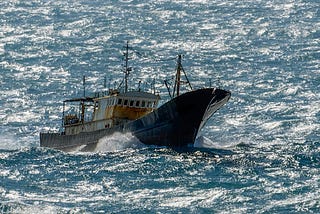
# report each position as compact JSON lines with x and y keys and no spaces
{"x":259,"y":154}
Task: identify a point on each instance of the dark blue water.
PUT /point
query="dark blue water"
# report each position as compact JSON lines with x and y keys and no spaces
{"x":259,"y":154}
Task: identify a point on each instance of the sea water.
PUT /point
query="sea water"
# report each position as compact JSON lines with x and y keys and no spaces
{"x":260,"y":153}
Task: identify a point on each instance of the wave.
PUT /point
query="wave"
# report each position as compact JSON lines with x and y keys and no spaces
{"x":204,"y":142}
{"x":118,"y":141}
{"x":8,"y":141}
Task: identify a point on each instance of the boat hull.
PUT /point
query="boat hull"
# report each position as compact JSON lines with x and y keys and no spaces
{"x":174,"y":124}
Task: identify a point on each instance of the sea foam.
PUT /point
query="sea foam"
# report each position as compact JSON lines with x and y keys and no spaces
{"x":117,"y":141}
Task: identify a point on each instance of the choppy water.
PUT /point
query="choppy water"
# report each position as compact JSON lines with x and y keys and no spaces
{"x":262,"y":150}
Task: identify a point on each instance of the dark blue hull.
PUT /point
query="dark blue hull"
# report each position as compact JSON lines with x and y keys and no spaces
{"x":177,"y":122}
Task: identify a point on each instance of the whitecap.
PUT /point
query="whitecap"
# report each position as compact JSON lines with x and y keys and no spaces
{"x":8,"y":141}
{"x":117,"y":141}
{"x":271,"y":125}
{"x":204,"y":142}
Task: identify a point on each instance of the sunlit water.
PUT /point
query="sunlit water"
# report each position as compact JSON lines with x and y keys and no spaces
{"x":259,"y":154}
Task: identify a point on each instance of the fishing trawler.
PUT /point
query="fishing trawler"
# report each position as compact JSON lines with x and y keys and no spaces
{"x":174,"y":124}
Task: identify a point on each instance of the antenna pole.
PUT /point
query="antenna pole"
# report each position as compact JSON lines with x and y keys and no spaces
{"x":84,"y":85}
{"x":63,"y":109}
{"x":126,"y":67}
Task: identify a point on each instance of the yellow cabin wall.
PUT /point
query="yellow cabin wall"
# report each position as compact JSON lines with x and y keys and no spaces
{"x":122,"y":107}
{"x":125,"y":112}
{"x":130,"y":113}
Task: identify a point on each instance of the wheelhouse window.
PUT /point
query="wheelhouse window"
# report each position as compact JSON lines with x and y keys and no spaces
{"x":137,"y":103}
{"x":119,"y":101}
{"x":143,"y":104}
{"x":96,"y":104}
{"x":131,"y":102}
{"x":125,"y":103}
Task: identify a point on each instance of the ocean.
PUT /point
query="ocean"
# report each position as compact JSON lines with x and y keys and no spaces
{"x":260,"y":153}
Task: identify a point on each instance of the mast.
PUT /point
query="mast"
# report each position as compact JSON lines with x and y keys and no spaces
{"x":82,"y":111}
{"x":63,"y":109}
{"x":84,"y":85}
{"x":178,"y":82}
{"x":176,"y":89}
{"x":82,"y":102}
{"x":126,"y":68}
